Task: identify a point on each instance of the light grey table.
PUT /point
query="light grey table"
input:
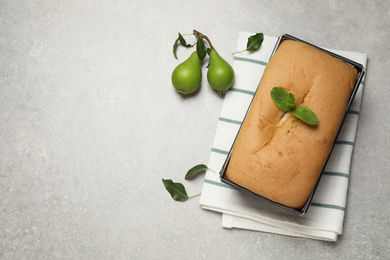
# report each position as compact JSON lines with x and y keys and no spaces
{"x":90,"y":123}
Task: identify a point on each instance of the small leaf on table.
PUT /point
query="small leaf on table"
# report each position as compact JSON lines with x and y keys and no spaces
{"x":194,"y":171}
{"x":183,"y":41}
{"x":175,"y":48}
{"x":177,"y":190}
{"x":254,"y":42}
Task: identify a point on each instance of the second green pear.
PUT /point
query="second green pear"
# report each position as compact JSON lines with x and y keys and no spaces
{"x":187,"y":76}
{"x":220,"y":74}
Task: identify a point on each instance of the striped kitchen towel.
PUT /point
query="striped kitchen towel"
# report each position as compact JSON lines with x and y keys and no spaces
{"x":324,"y":220}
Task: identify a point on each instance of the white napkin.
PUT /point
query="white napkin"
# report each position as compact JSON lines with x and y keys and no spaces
{"x":325,"y":217}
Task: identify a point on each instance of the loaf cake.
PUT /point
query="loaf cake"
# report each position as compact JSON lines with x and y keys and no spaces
{"x":275,"y":154}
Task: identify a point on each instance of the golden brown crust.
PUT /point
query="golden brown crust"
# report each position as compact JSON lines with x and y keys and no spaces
{"x":276,"y":155}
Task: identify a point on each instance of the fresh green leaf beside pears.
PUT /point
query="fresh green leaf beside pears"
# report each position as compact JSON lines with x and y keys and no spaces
{"x":201,"y":48}
{"x":194,"y":171}
{"x":254,"y":43}
{"x":182,"y":41}
{"x":187,"y":76}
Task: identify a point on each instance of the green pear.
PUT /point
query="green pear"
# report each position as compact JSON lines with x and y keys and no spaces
{"x":187,"y":76}
{"x":220,"y":74}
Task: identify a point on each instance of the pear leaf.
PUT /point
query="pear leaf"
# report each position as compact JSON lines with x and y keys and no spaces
{"x":182,"y":41}
{"x":254,"y":42}
{"x":201,"y":48}
{"x":305,"y":114}
{"x":175,"y":48}
{"x":194,"y":171}
{"x":177,"y":190}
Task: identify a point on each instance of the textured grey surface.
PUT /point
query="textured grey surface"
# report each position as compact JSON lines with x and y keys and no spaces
{"x":90,"y":123}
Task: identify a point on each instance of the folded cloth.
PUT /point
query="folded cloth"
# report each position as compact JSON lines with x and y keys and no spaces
{"x":325,"y":217}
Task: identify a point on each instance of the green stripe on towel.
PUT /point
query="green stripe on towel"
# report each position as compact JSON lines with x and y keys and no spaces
{"x":219,"y":184}
{"x":353,"y":112}
{"x":230,"y":121}
{"x":340,"y":174}
{"x":345,"y":142}
{"x":251,"y":60}
{"x":329,"y":206}
{"x":219,"y":151}
{"x":244,"y":91}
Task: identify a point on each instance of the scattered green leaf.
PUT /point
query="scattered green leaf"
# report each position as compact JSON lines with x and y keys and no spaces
{"x":177,"y":190}
{"x":182,"y":41}
{"x":286,"y":102}
{"x":175,"y":48}
{"x":305,"y":114}
{"x":194,"y":171}
{"x":254,"y":43}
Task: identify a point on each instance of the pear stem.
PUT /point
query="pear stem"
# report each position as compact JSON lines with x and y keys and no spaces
{"x":201,"y":35}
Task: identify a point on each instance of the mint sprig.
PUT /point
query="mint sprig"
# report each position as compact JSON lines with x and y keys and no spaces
{"x":286,"y":102}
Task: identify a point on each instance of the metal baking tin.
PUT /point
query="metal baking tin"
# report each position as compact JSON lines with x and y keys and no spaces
{"x":361,"y":71}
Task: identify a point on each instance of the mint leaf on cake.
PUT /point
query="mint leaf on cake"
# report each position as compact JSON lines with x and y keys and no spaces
{"x":286,"y":102}
{"x":305,"y":114}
